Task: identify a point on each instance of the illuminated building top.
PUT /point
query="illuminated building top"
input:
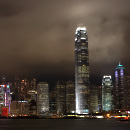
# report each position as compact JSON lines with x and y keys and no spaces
{"x":120,"y":66}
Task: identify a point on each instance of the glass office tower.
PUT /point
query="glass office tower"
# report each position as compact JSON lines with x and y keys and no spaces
{"x":81,"y":71}
{"x":107,"y":93}
{"x":119,"y":87}
{"x":42,"y":98}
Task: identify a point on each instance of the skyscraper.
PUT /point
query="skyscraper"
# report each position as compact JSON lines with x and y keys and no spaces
{"x":5,"y":98}
{"x":17,"y":91}
{"x":42,"y":98}
{"x":70,"y":97}
{"x":107,"y":93}
{"x":81,"y":71}
{"x":93,"y":98}
{"x":119,"y":87}
{"x":127,"y":91}
{"x":24,"y":89}
{"x":33,"y":84}
{"x":52,"y":101}
{"x":60,"y":98}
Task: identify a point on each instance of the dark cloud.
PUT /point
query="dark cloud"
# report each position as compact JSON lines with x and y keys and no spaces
{"x":38,"y":36}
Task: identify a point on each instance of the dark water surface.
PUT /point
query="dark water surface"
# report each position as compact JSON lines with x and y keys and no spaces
{"x":63,"y":124}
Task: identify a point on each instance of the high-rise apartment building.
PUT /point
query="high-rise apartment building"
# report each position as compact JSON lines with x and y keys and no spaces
{"x":82,"y":71}
{"x":107,"y":93}
{"x":70,"y":97}
{"x":119,"y":87}
{"x":42,"y":98}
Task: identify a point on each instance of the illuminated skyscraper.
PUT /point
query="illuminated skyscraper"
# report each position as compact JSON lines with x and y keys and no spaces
{"x":81,"y":71}
{"x":42,"y":98}
{"x":5,"y":98}
{"x":119,"y":87}
{"x":107,"y":93}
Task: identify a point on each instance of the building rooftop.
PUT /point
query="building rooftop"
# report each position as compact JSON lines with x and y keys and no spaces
{"x":120,"y":66}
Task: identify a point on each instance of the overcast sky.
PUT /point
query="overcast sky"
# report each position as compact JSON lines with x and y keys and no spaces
{"x":37,"y":36}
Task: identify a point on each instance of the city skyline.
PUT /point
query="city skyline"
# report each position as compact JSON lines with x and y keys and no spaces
{"x":33,"y":46}
{"x":65,"y":64}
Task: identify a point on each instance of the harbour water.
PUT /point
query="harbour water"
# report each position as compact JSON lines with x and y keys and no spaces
{"x":63,"y":124}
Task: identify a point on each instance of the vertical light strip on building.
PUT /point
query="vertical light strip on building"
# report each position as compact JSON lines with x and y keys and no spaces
{"x":5,"y":99}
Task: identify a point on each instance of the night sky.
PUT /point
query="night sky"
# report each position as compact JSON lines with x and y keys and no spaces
{"x":37,"y":37}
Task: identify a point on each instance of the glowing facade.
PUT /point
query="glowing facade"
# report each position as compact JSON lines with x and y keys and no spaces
{"x":42,"y":98}
{"x":81,"y":71}
{"x":119,"y":87}
{"x":107,"y":93}
{"x":5,"y":98}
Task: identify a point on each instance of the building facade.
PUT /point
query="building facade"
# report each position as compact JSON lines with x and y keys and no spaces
{"x":127,"y":91}
{"x":60,"y":98}
{"x":42,"y":98}
{"x":119,"y":87}
{"x":24,"y":90}
{"x":81,"y":71}
{"x":52,"y":101}
{"x":94,"y":106}
{"x":17,"y":90}
{"x":5,"y":98}
{"x":70,"y":97}
{"x":107,"y":93}
{"x":33,"y":85}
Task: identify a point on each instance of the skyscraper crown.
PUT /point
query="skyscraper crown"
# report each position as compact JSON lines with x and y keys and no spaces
{"x":81,"y":29}
{"x":120,"y":66}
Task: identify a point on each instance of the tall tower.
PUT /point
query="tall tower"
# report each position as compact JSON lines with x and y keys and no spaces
{"x":127,"y":90}
{"x":81,"y":71}
{"x":60,"y":99}
{"x":107,"y":93}
{"x":42,"y":98}
{"x":70,"y":97}
{"x":119,"y":87}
